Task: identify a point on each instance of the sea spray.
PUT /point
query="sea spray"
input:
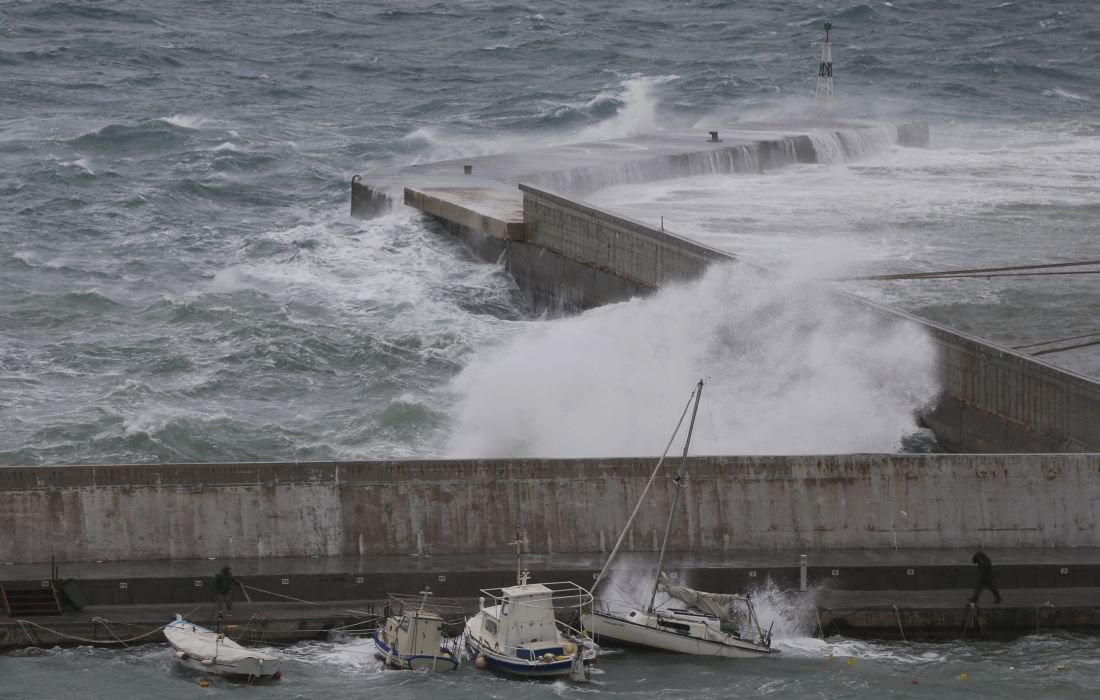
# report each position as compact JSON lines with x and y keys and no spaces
{"x":627,"y":107}
{"x":791,"y":369}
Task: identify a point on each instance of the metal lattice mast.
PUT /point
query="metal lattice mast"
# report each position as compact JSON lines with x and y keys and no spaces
{"x":823,"y":100}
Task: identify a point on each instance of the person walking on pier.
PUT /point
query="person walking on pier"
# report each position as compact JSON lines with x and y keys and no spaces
{"x":223,"y":588}
{"x":985,"y":576}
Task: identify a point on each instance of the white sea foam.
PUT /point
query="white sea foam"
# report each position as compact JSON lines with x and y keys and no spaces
{"x":28,"y":257}
{"x":151,"y":421}
{"x":81,"y":163}
{"x":347,"y":656}
{"x":1065,"y":94}
{"x":972,"y":201}
{"x":185,"y":121}
{"x":637,"y":95}
{"x":638,"y":114}
{"x":792,"y":370}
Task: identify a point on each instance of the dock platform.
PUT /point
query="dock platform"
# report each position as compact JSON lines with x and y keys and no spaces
{"x":915,"y":594}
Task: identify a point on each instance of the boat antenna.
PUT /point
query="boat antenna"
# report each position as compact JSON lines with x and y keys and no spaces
{"x":678,"y":482}
{"x":638,"y":506}
{"x":521,"y":575}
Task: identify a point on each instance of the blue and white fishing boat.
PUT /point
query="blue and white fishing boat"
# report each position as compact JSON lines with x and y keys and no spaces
{"x":520,"y":633}
{"x":412,"y":638}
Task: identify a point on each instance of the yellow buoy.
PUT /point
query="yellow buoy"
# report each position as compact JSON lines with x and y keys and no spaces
{"x":964,"y":677}
{"x":204,"y":683}
{"x":851,"y":661}
{"x":829,"y":655}
{"x":1061,"y":667}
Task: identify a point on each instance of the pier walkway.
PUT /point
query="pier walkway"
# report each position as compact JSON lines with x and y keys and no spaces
{"x":859,"y":593}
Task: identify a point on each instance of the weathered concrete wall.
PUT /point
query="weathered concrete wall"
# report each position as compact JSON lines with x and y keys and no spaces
{"x":564,"y":506}
{"x":549,"y":281}
{"x":622,"y":247}
{"x":996,"y":399}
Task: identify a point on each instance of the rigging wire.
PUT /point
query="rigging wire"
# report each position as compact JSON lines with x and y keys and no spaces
{"x":638,"y":505}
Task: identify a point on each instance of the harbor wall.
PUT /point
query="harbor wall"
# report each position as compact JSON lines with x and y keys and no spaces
{"x":390,"y":508}
{"x":998,"y":400}
{"x":993,"y":399}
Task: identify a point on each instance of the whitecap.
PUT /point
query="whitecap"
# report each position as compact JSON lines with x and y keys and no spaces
{"x":27,"y":257}
{"x":184,"y":121}
{"x":81,"y":163}
{"x":1065,"y":94}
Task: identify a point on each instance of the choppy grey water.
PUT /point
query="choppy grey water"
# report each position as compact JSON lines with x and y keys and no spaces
{"x":1043,"y":666}
{"x":180,"y":280}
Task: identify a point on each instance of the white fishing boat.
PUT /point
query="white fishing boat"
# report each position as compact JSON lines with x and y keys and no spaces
{"x":520,"y":633}
{"x":708,"y":624}
{"x":412,"y":637}
{"x":203,"y":649}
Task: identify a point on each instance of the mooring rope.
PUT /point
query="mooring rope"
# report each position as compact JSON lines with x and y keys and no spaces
{"x":366,"y":613}
{"x":98,"y":620}
{"x":897,"y":614}
{"x":90,"y":641}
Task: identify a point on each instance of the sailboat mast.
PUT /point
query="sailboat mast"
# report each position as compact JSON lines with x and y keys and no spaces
{"x":638,"y":506}
{"x":676,"y":493}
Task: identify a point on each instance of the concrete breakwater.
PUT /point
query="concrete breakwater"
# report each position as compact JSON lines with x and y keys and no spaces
{"x":581,"y":168}
{"x":567,"y":255}
{"x":396,"y":508}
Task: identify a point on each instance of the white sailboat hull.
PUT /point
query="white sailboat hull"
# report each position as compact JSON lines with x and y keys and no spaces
{"x":642,"y":631}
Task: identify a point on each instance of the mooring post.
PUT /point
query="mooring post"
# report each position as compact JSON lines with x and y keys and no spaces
{"x":802,"y":573}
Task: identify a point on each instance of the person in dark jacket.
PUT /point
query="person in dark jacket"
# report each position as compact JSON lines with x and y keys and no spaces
{"x":985,"y":576}
{"x":223,"y":587}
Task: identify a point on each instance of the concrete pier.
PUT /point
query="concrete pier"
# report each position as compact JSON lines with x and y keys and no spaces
{"x":581,"y":168}
{"x":915,"y":594}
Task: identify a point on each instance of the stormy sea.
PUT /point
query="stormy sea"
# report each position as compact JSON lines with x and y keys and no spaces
{"x":180,"y":279}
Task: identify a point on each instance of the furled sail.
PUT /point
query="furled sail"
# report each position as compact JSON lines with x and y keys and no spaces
{"x":724,"y":606}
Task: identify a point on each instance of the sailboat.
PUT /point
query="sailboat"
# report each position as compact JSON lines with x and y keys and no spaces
{"x":709,"y":624}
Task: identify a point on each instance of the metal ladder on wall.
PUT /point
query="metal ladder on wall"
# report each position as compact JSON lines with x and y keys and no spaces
{"x":25,"y":600}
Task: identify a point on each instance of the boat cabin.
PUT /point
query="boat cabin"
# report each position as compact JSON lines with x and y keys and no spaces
{"x":523,"y":621}
{"x":417,"y":632}
{"x":689,"y":622}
